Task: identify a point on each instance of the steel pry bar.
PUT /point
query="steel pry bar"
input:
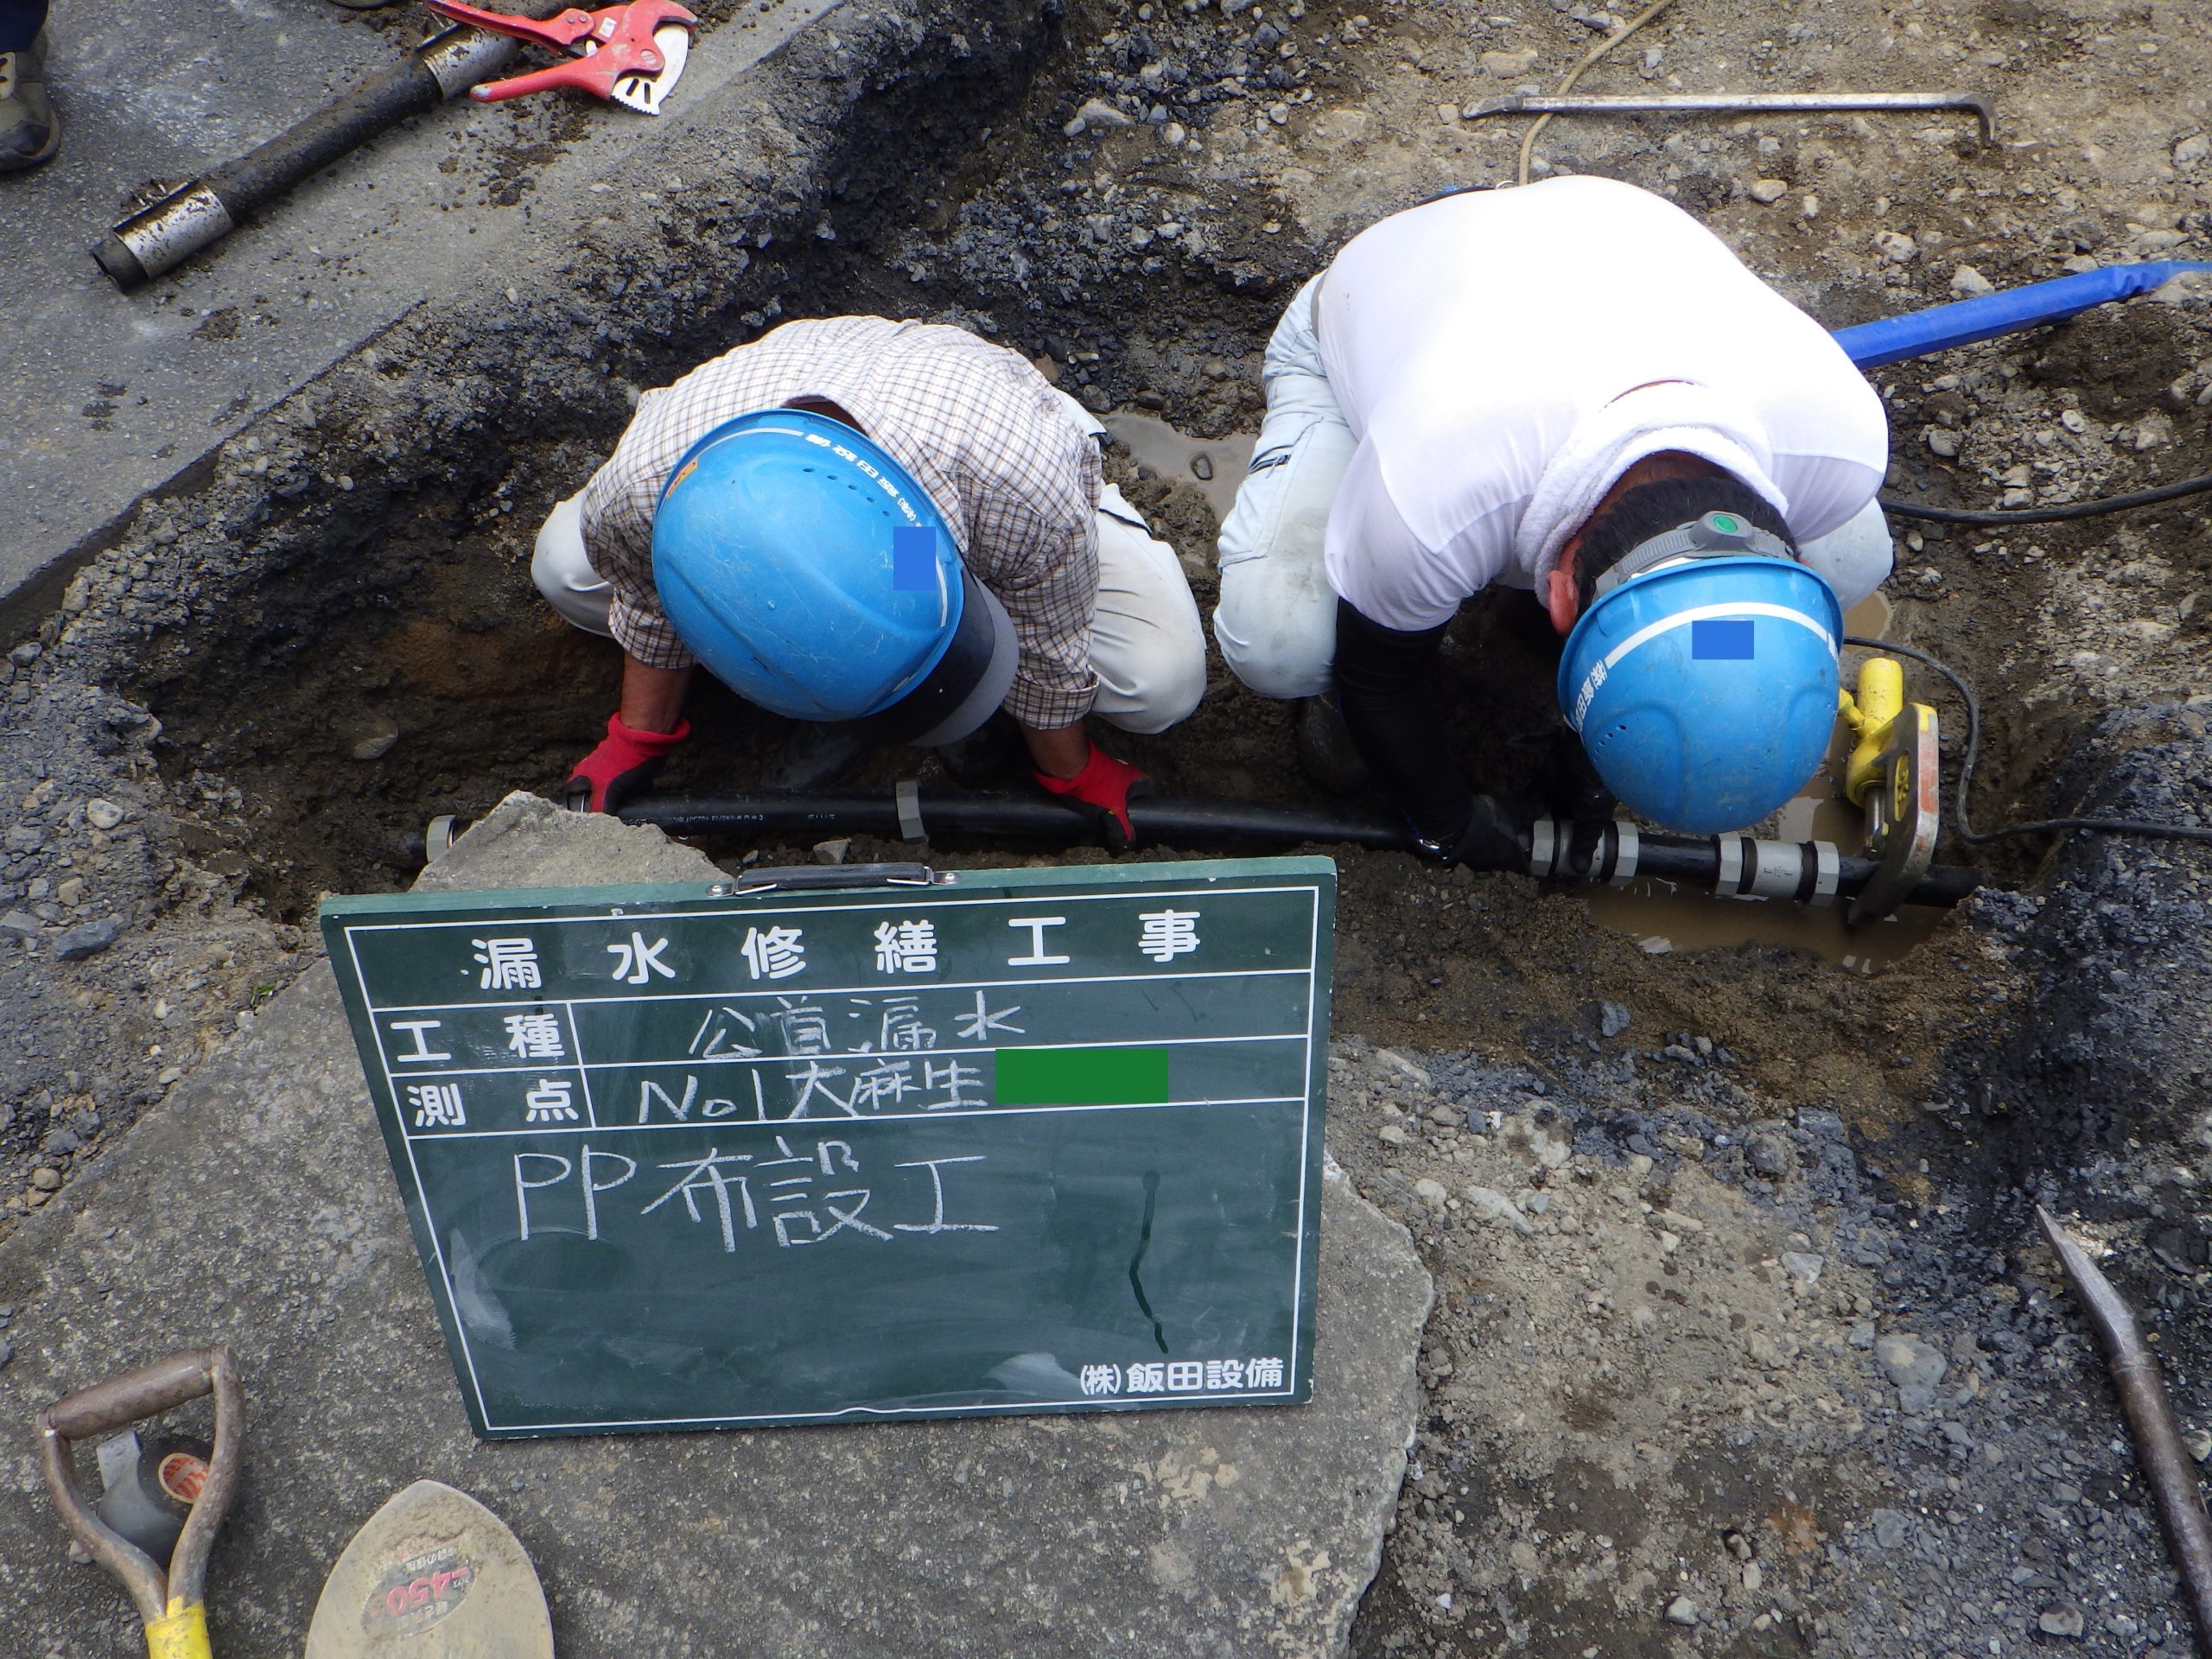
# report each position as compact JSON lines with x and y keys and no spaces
{"x":2165,"y":1463}
{"x":1735,"y":103}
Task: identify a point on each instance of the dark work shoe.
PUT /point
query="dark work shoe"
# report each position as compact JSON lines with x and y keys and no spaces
{"x":28,"y":132}
{"x":1325,"y":749}
{"x":815,"y":757}
{"x":993,"y":753}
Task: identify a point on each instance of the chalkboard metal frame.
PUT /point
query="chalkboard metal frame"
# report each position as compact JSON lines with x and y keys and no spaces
{"x":1083,"y":1103}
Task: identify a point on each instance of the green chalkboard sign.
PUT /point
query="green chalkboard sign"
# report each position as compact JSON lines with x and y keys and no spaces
{"x":1042,"y":1139}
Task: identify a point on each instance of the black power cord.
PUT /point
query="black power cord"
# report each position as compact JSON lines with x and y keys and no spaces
{"x":2051,"y":515}
{"x":1967,"y":831}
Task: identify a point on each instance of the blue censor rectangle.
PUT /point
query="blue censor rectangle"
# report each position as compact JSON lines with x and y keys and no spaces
{"x":1721,"y":639}
{"x":914,"y":560}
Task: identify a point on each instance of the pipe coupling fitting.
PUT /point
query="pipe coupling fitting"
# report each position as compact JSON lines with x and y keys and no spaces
{"x":163,"y":236}
{"x":464,"y":57}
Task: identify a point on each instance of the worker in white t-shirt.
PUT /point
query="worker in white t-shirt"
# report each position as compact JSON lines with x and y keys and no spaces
{"x":1575,"y":389}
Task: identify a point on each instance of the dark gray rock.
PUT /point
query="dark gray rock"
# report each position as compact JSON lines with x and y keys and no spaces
{"x":1910,"y":1362}
{"x":1769,"y":1157}
{"x":2063,"y":1620}
{"x":88,"y":938}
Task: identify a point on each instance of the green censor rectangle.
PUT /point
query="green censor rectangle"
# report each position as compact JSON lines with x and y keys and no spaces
{"x":1081,"y":1076}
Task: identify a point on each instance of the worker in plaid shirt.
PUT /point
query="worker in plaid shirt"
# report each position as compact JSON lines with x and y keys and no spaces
{"x":1102,"y":619}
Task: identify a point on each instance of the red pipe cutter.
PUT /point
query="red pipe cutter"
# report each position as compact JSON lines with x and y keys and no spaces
{"x":632,"y":53}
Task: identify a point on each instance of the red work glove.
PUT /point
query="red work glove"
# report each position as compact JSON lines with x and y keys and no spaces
{"x":1102,"y":788}
{"x":618,"y":767}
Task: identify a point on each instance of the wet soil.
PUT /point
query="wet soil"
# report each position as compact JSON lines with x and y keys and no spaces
{"x":1615,"y":1424}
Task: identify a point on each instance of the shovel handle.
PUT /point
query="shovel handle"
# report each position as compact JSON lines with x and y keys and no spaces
{"x":169,"y":1601}
{"x":136,"y":1395}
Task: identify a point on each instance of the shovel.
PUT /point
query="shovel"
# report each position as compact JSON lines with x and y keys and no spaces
{"x":170,"y":1600}
{"x":434,"y":1575}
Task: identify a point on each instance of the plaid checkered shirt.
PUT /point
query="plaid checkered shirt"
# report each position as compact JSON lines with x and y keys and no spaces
{"x":979,"y":428}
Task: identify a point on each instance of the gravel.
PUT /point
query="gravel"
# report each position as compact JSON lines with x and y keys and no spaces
{"x":1650,"y":1397}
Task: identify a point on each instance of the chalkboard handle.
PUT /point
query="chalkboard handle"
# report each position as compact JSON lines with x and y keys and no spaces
{"x":808,"y":878}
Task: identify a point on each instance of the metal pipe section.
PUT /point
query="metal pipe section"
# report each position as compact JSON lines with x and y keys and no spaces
{"x":1739,"y":866}
{"x":163,"y":236}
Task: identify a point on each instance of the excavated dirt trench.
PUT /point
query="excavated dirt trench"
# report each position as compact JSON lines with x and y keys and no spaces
{"x":374,"y":654}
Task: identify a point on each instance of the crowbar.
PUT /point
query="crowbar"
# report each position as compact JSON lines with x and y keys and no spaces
{"x":2150,"y":1414}
{"x":1733,"y":104}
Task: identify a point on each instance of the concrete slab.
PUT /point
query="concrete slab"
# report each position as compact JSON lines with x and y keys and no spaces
{"x":107,"y":395}
{"x":256,"y":1207}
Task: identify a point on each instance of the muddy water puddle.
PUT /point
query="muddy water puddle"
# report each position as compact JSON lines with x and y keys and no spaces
{"x":1662,"y":918}
{"x":1213,"y":466}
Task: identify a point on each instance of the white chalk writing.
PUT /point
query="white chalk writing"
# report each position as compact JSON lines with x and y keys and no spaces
{"x":956,"y":1081}
{"x":806,"y":1194}
{"x":902,"y":1031}
{"x":712,"y":1173}
{"x":980,"y":1026}
{"x":717,"y":1037}
{"x":815,"y":1082}
{"x":937,"y":1223}
{"x":796,"y":1189}
{"x":651,"y":1095}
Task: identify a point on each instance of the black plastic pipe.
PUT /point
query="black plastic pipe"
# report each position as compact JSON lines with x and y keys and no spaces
{"x":1159,"y":819}
{"x":197,"y":214}
{"x":909,"y":813}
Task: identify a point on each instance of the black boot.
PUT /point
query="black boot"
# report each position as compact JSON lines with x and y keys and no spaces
{"x":1326,"y":750}
{"x":816,"y":757}
{"x":993,"y":753}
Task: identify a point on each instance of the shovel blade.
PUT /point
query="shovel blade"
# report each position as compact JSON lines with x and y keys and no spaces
{"x":647,"y":93}
{"x":434,"y":1575}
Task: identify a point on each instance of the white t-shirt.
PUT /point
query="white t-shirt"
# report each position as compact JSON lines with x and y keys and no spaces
{"x":1504,"y":356}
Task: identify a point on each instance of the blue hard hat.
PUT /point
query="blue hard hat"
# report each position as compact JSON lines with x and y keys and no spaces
{"x":812,"y":576}
{"x":1705,"y":691}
